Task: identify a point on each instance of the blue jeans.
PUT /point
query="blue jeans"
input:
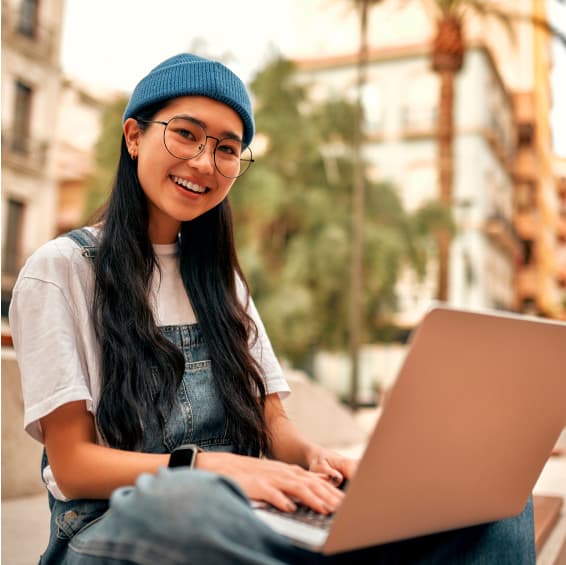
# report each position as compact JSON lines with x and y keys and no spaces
{"x":186,"y":516}
{"x":183,"y":516}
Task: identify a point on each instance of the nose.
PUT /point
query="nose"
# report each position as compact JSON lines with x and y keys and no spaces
{"x":204,"y":161}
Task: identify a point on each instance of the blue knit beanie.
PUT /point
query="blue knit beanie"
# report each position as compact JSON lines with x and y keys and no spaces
{"x":186,"y":75}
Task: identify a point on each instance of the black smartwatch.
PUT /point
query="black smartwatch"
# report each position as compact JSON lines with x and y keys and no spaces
{"x":184,"y":455}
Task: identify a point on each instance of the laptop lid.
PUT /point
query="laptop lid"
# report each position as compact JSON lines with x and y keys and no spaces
{"x":475,"y":411}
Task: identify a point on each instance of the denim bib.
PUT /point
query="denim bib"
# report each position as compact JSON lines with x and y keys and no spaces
{"x":198,"y":416}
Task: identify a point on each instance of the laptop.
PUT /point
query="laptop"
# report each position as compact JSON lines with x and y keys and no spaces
{"x":475,"y":411}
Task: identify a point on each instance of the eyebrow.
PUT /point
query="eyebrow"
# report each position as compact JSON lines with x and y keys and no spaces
{"x":223,"y":135}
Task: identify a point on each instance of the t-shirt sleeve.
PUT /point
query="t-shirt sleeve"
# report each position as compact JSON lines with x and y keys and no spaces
{"x":44,"y":331}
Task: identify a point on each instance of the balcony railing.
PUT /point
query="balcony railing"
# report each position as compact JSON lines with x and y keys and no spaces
{"x":525,"y":166}
{"x":526,"y":224}
{"x":503,"y":233}
{"x":39,"y":42}
{"x":24,"y":152}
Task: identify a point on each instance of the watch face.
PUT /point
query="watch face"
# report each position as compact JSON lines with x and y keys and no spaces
{"x":183,"y":456}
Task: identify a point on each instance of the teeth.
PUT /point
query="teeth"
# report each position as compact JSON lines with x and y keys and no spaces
{"x":188,"y":185}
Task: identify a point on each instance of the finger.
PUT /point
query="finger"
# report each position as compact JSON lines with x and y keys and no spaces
{"x":329,"y":492}
{"x":335,"y":477}
{"x":347,"y":466}
{"x":343,"y":465}
{"x":324,"y":468}
{"x":280,"y":500}
{"x":318,"y":501}
{"x":311,"y":489}
{"x":319,"y":494}
{"x":328,"y":477}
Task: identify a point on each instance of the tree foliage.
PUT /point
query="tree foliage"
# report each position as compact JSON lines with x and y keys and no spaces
{"x":293,"y":221}
{"x":107,"y":151}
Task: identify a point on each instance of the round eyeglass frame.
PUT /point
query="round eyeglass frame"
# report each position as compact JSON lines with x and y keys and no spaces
{"x":203,"y":145}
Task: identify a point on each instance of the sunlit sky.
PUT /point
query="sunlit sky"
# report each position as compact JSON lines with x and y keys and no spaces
{"x":113,"y":43}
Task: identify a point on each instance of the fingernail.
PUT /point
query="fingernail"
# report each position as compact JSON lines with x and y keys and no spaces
{"x":291,"y":507}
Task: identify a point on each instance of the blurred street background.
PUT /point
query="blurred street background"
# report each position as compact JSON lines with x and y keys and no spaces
{"x":406,"y":151}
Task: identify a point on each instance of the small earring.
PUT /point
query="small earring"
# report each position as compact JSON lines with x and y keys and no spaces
{"x":133,"y":156}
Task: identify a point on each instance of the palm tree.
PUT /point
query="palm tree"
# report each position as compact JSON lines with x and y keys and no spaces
{"x":447,"y":59}
{"x":358,"y":204}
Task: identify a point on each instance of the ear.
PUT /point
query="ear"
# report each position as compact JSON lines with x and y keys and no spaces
{"x":132,"y":135}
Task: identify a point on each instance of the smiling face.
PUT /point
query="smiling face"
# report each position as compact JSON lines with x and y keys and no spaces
{"x":181,"y":190}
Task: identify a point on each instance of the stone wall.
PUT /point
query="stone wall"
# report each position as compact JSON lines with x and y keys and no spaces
{"x":21,"y":455}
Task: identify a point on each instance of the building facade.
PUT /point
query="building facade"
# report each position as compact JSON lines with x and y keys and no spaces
{"x":31,"y":82}
{"x":560,"y":178}
{"x":400,"y":104}
{"x":50,"y":126}
{"x":506,"y":200}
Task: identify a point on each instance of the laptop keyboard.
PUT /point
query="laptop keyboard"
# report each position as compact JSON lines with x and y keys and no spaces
{"x":305,"y":515}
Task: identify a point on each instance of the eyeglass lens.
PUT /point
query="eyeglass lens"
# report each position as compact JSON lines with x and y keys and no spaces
{"x":186,"y":139}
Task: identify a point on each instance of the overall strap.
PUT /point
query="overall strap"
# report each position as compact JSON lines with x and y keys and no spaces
{"x":84,"y":238}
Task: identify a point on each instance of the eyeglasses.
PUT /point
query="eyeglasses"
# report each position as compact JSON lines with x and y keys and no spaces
{"x":185,"y":138}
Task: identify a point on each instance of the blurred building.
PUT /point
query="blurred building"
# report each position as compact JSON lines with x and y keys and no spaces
{"x":539,"y":217}
{"x":75,"y":137}
{"x":50,"y":126}
{"x":560,"y":176}
{"x":31,"y":82}
{"x":400,"y":100}
{"x":506,"y":201}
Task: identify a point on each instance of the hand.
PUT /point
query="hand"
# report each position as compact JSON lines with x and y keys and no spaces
{"x":274,"y":482}
{"x":334,"y":466}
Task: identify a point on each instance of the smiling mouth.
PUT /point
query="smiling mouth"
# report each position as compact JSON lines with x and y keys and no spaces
{"x":190,"y":186}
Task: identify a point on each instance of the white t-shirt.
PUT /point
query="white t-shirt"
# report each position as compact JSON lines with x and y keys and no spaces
{"x":54,"y":338}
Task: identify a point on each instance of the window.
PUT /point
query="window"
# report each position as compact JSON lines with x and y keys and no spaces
{"x":28,"y":18}
{"x":562,"y":204}
{"x":14,"y":223}
{"x":371,"y":102}
{"x":22,"y":117}
{"x":420,"y":185}
{"x":499,"y":114}
{"x":525,"y":196}
{"x":528,"y":252}
{"x":420,"y":102}
{"x":373,"y":107}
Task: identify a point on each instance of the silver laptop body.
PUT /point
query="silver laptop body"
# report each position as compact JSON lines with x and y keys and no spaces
{"x":474,"y":413}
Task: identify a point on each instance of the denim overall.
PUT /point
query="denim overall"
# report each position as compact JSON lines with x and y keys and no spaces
{"x":188,"y":516}
{"x":198,"y":417}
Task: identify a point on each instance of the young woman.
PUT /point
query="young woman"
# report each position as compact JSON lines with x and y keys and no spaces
{"x":137,"y":336}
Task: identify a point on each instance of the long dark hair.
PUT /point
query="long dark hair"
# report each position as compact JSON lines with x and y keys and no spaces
{"x":140,"y":369}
